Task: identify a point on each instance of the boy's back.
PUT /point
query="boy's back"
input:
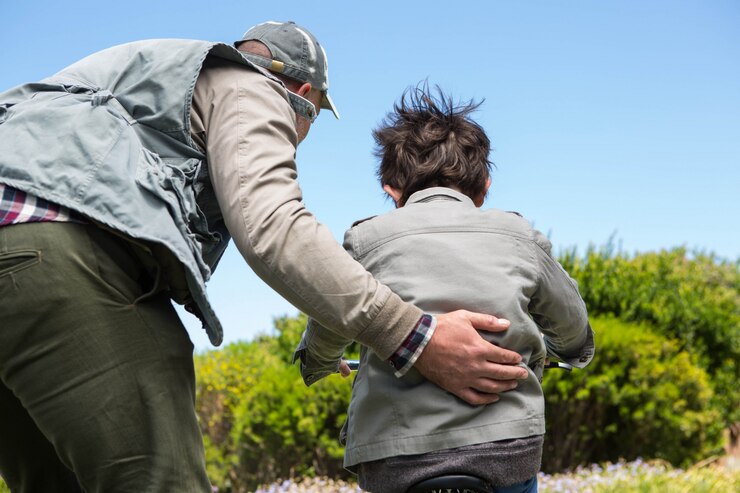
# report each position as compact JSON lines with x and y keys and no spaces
{"x":499,"y":265}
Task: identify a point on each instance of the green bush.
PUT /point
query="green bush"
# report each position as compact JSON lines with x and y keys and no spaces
{"x":694,"y":299}
{"x":642,"y":396}
{"x":258,"y":419}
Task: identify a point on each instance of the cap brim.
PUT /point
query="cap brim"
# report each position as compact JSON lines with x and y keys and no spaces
{"x":328,"y":104}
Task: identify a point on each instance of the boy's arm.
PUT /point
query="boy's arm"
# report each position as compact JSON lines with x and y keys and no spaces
{"x":320,"y":352}
{"x":559,"y":310}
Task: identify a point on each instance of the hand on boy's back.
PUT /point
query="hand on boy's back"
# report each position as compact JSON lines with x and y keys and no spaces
{"x":460,"y":361}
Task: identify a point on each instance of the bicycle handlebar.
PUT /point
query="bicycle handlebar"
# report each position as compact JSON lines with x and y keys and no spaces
{"x":355,"y":364}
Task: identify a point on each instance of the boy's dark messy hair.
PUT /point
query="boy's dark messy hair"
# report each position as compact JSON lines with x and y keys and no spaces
{"x":430,"y":141}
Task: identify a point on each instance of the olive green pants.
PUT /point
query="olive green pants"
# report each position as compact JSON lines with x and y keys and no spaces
{"x":97,"y":388}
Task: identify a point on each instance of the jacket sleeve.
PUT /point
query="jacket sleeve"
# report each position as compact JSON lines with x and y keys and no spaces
{"x":559,"y":310}
{"x":250,"y":142}
{"x":320,"y":352}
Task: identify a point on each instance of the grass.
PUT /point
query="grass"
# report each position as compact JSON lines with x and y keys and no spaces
{"x":643,"y":477}
{"x":622,"y":477}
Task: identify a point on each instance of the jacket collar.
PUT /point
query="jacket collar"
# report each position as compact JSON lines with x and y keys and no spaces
{"x":439,"y":193}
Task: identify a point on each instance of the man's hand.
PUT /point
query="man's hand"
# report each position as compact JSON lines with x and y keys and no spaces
{"x":460,"y":361}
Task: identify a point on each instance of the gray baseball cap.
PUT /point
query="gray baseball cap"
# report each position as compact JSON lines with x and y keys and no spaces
{"x":296,"y":53}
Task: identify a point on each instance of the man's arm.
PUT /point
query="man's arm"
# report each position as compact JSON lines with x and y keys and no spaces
{"x":250,"y":142}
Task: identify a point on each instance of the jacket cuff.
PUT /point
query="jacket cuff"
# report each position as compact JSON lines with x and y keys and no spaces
{"x":390,"y":327}
{"x":313,"y":370}
{"x":584,"y":357}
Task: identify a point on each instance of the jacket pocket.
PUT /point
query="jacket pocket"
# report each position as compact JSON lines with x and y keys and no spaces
{"x":171,"y":182}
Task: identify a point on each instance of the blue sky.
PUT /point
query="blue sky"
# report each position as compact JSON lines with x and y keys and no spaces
{"x":607,"y":117}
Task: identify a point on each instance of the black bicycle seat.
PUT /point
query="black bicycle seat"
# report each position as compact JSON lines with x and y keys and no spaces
{"x":452,"y":483}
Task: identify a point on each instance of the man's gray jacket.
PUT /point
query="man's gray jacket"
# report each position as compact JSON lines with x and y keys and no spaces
{"x":178,"y":145}
{"x":442,"y":253}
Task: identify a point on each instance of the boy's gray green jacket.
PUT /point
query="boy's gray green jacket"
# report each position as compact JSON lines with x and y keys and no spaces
{"x":440,"y":252}
{"x":109,"y":137}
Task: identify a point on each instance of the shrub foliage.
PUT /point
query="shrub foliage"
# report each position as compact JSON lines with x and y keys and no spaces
{"x":662,"y":385}
{"x":258,"y":419}
{"x":692,"y":299}
{"x":642,"y":397}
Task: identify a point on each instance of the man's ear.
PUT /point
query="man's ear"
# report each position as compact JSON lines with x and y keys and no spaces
{"x":304,"y":89}
{"x":395,"y":193}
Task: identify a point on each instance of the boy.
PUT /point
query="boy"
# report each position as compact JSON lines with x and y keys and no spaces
{"x":438,"y":250}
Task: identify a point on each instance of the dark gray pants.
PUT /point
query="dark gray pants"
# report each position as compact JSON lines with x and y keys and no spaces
{"x":509,"y":465}
{"x":97,"y":386}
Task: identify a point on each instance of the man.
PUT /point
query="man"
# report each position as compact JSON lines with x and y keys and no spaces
{"x":123,"y":178}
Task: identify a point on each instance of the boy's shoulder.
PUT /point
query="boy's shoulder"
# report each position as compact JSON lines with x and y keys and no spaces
{"x":522,"y":226}
{"x":506,"y":219}
{"x":360,"y":221}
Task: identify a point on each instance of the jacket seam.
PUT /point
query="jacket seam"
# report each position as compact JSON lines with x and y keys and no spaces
{"x":534,"y":417}
{"x":436,"y":230}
